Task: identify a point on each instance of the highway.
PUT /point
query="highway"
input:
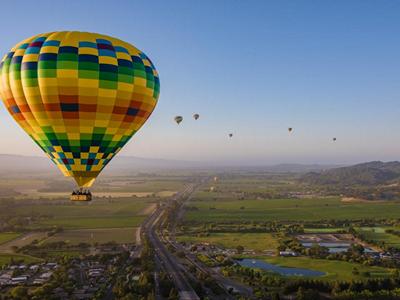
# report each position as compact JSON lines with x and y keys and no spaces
{"x":168,"y":261}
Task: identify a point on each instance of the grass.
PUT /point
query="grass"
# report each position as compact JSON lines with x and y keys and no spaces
{"x":254,"y":241}
{"x":95,"y":222}
{"x":73,"y":237}
{"x":228,"y":209}
{"x":322,"y":230}
{"x":334,"y":269}
{"x":8,"y":236}
{"x":22,"y":240}
{"x":104,"y":213}
{"x":378,"y":234}
{"x":8,"y":258}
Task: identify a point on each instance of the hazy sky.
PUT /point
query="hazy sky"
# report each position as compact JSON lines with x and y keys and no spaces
{"x":254,"y":68}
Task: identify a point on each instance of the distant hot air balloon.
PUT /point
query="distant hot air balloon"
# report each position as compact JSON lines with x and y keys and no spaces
{"x":334,"y":139}
{"x":80,"y":96}
{"x":196,"y":116}
{"x":290,"y":129}
{"x":178,"y":119}
{"x":231,"y":135}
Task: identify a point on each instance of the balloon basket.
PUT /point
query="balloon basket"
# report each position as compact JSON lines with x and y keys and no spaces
{"x":81,"y":195}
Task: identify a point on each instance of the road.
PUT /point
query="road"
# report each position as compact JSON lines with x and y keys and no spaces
{"x":171,"y":264}
{"x":225,"y":283}
{"x":168,"y":261}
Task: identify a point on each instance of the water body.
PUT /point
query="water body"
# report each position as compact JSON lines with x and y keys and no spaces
{"x":286,"y":271}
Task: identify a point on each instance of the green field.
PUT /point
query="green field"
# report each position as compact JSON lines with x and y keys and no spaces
{"x":98,"y":222}
{"x":8,"y":258}
{"x":8,"y":236}
{"x":341,"y":270}
{"x":322,"y":230}
{"x":228,"y":209}
{"x":73,"y":237}
{"x":251,"y":241}
{"x":103,"y":213}
{"x":378,"y":234}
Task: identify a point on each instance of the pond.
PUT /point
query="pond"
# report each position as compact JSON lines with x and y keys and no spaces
{"x":286,"y":271}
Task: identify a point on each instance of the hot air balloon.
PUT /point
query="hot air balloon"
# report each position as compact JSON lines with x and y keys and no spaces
{"x":290,"y":129}
{"x":80,"y":96}
{"x":231,"y":135}
{"x":178,"y":119}
{"x":334,"y":139}
{"x":196,"y":116}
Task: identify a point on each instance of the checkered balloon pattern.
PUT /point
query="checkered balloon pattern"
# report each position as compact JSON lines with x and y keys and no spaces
{"x":80,"y":96}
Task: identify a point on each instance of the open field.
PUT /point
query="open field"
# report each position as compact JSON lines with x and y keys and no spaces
{"x":101,"y":236}
{"x":115,"y":213}
{"x":378,"y":234}
{"x":8,"y":258}
{"x":31,"y":186}
{"x":250,"y":241}
{"x":341,"y":270}
{"x":322,"y":230}
{"x":95,"y":222}
{"x":213,"y":209}
{"x":34,"y":194}
{"x":21,"y":240}
{"x":8,"y":236}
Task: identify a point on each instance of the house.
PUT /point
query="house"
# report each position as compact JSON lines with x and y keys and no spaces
{"x":19,"y":280}
{"x":287,"y":253}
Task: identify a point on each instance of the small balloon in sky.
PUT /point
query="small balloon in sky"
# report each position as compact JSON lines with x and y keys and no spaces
{"x":196,"y":116}
{"x":290,"y":129}
{"x":178,"y":119}
{"x":231,"y":135}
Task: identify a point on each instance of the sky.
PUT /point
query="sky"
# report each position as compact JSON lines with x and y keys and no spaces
{"x":251,"y":68}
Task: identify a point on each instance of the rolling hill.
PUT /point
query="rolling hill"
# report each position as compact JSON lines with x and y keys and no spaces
{"x":370,"y":173}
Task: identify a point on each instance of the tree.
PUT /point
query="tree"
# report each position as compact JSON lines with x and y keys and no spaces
{"x":173,"y":294}
{"x":239,"y":249}
{"x":275,"y":296}
{"x":300,"y":295}
{"x":19,"y":292}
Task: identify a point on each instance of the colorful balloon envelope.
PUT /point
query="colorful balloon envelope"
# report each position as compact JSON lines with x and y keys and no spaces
{"x":80,"y":96}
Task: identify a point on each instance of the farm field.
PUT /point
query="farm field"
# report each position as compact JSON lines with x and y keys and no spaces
{"x":250,"y":241}
{"x":115,"y":213}
{"x":95,"y":222}
{"x":45,"y":187}
{"x":22,"y":240}
{"x":208,"y":208}
{"x":8,"y":258}
{"x":336,"y":270}
{"x":8,"y":236}
{"x":378,"y":234}
{"x":322,"y":230}
{"x":101,"y":236}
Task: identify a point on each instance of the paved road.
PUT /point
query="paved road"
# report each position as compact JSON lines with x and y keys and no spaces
{"x":168,"y":261}
{"x":173,"y":266}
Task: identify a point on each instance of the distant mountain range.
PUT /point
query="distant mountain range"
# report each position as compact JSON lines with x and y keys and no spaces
{"x":370,"y":173}
{"x":130,"y":164}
